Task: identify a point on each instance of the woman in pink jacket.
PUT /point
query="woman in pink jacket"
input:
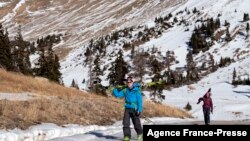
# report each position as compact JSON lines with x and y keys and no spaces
{"x":207,"y":106}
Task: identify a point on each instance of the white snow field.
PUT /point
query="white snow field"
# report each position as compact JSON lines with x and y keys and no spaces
{"x":174,"y":39}
{"x":231,"y":104}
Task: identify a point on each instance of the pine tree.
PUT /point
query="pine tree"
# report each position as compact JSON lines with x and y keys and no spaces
{"x":53,"y":65}
{"x":122,"y":67}
{"x":226,"y":23}
{"x":170,"y":15}
{"x":189,"y":60}
{"x":246,"y":17}
{"x":132,"y":51}
{"x":217,"y":23}
{"x":41,"y":65}
{"x":140,"y":34}
{"x":6,"y":61}
{"x":112,"y":74}
{"x":156,"y":20}
{"x":115,"y":36}
{"x":139,"y":61}
{"x":221,"y":62}
{"x":118,"y":70}
{"x":195,"y":10}
{"x":155,"y":65}
{"x":97,"y":70}
{"x":22,"y":54}
{"x":48,"y":66}
{"x":157,"y":77}
{"x":102,"y":45}
{"x":32,"y":48}
{"x":196,"y":42}
{"x":188,"y":107}
{"x":91,"y":43}
{"x":247,"y":29}
{"x":168,"y":59}
{"x":175,"y":19}
{"x":90,"y":73}
{"x":228,"y":36}
{"x":181,"y":78}
{"x":74,"y":84}
{"x":57,"y":73}
{"x":126,"y":45}
{"x":87,"y":54}
{"x":192,"y":73}
{"x":50,"y":63}
{"x":173,"y":78}
{"x":157,"y":89}
{"x":234,"y":75}
{"x":212,"y":26}
{"x":212,"y":63}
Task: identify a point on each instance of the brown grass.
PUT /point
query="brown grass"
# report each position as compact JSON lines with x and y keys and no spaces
{"x":8,"y":8}
{"x":153,"y":109}
{"x":36,"y":5}
{"x":22,"y":16}
{"x":62,"y":52}
{"x":219,"y":34}
{"x":242,"y":53}
{"x":17,"y":83}
{"x":67,"y":106}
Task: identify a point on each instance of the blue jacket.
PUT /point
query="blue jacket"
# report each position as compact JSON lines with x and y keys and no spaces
{"x":133,"y":97}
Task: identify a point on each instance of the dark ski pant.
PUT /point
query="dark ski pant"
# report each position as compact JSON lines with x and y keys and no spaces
{"x":131,"y":113}
{"x":206,"y":112}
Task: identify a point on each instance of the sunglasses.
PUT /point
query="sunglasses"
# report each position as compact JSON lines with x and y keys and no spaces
{"x":129,"y":82}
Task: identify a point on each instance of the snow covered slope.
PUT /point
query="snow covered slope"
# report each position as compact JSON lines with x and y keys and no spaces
{"x":176,"y":38}
{"x":230,"y":103}
{"x":114,"y":132}
{"x":79,"y":20}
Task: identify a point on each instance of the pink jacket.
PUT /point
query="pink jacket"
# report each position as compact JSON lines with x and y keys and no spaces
{"x":207,"y":101}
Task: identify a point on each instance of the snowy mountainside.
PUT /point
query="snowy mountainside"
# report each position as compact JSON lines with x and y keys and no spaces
{"x":77,"y":20}
{"x":75,"y":23}
{"x":174,"y":37}
{"x":230,"y":102}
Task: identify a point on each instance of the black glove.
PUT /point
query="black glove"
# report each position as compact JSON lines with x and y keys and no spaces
{"x":137,"y":113}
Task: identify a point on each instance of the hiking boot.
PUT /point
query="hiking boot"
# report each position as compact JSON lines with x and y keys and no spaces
{"x":139,"y":137}
{"x":126,"y":138}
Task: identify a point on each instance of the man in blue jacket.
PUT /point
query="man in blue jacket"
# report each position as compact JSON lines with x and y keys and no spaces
{"x":133,"y":108}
